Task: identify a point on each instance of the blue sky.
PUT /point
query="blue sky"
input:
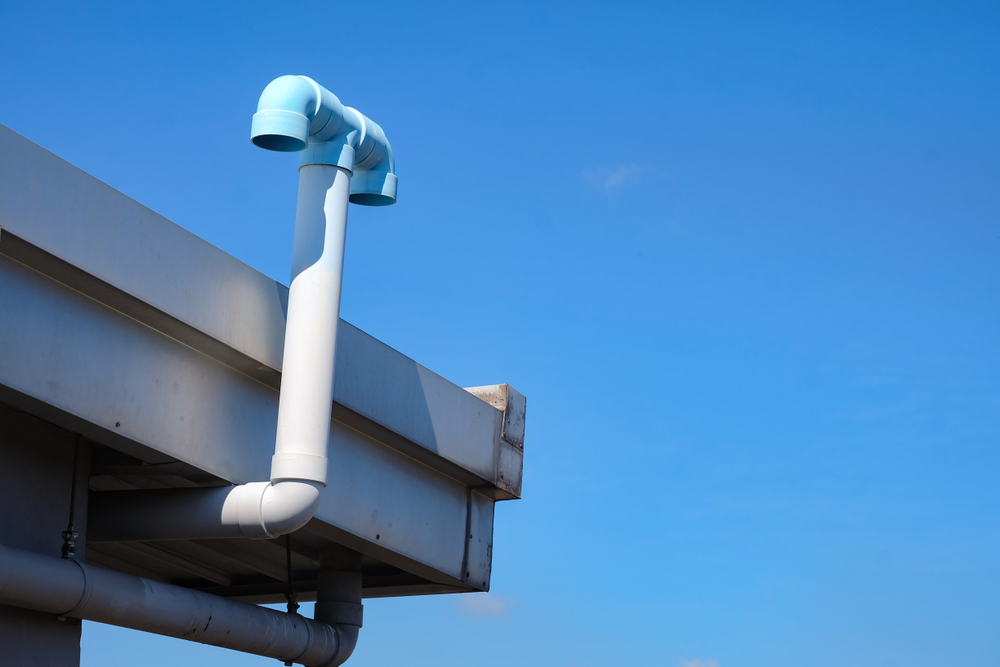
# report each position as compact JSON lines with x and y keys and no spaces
{"x":742,"y":259}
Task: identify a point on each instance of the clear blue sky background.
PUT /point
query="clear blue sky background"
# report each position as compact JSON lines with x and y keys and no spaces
{"x":743,"y":260}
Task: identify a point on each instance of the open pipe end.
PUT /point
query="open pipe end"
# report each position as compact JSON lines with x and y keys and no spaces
{"x":279,"y":130}
{"x":373,"y":188}
{"x":365,"y":199}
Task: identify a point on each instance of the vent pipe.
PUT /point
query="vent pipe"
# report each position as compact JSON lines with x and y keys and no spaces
{"x":297,"y":114}
{"x":344,"y":157}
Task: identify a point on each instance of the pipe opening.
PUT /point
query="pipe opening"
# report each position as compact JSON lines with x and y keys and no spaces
{"x":279,"y":130}
{"x":366,"y":199}
{"x":279,"y":142}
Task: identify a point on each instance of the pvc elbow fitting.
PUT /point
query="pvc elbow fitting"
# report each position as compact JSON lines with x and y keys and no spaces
{"x":347,"y":636}
{"x":297,"y":114}
{"x":374,"y":179}
{"x":290,"y":110}
{"x":265,"y":510}
{"x":287,"y":506}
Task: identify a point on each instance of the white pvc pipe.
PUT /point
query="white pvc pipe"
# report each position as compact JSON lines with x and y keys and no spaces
{"x":307,"y":367}
{"x":66,"y":587}
{"x":263,"y":510}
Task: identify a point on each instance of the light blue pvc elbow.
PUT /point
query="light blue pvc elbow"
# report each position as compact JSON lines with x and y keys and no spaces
{"x":374,"y":179}
{"x":297,"y":114}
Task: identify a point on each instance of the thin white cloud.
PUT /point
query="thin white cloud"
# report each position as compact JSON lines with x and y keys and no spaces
{"x":482,"y":605}
{"x":698,"y":662}
{"x":615,"y":179}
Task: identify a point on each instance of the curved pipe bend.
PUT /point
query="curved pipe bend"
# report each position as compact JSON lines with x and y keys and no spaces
{"x":297,"y":114}
{"x":374,"y":180}
{"x":347,"y":636}
{"x":265,"y":510}
{"x":294,"y":110}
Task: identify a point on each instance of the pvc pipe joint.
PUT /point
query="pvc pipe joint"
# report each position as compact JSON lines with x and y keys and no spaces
{"x":297,"y":114}
{"x":265,"y":510}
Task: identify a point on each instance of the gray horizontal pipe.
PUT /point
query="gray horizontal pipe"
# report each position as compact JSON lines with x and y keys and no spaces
{"x":71,"y":588}
{"x":161,"y":514}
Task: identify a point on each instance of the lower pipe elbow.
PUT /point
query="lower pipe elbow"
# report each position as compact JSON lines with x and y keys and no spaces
{"x":289,"y":505}
{"x":267,"y":510}
{"x":338,"y":600}
{"x":348,"y":635}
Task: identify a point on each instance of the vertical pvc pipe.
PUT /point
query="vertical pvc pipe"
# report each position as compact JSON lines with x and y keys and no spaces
{"x":306,"y":398}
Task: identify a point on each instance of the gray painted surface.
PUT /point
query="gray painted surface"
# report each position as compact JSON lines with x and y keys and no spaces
{"x":35,"y":482}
